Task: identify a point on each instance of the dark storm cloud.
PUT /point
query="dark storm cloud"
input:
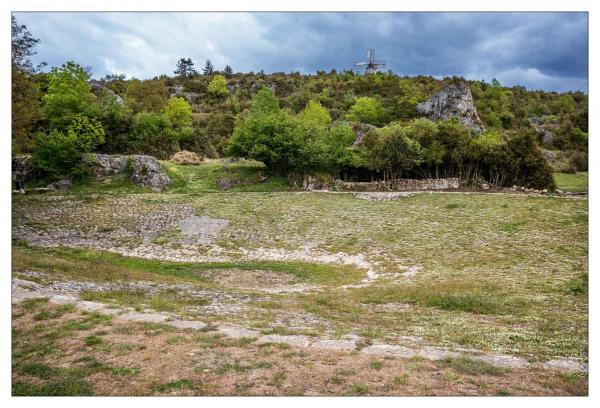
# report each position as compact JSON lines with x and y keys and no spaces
{"x":537,"y":50}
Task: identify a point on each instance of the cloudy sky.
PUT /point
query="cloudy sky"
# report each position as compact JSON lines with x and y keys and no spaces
{"x":537,"y":50}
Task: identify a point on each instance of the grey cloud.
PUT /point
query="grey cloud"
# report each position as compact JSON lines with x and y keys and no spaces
{"x":537,"y":50}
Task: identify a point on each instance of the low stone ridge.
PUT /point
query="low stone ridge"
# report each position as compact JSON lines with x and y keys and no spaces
{"x":398,"y":185}
{"x":454,"y":101}
{"x":294,"y":340}
{"x":141,"y":169}
{"x":23,"y":290}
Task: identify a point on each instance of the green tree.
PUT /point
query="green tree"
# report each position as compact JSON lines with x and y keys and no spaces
{"x":393,"y":152}
{"x":69,"y":94}
{"x":208,"y":68}
{"x":22,"y":47}
{"x":185,"y":68}
{"x":218,"y":86}
{"x":87,"y":133}
{"x":179,"y":112}
{"x":367,"y":110}
{"x":55,"y":154}
{"x":115,"y":117}
{"x":59,"y":154}
{"x":314,"y":116}
{"x":25,"y":93}
{"x":228,"y":71}
{"x":271,"y":136}
{"x":146,"y":96}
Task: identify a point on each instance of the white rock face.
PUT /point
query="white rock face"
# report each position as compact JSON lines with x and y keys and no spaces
{"x":454,"y":101}
{"x":141,"y":169}
{"x":237,"y":332}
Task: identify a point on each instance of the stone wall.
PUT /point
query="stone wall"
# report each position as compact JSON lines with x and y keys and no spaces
{"x":398,"y":185}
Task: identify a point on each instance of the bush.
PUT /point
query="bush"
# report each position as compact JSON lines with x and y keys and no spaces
{"x":185,"y":157}
{"x":55,"y":154}
{"x":179,"y":112}
{"x":218,"y":86}
{"x":271,"y":136}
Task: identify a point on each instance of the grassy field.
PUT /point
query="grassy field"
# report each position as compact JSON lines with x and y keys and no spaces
{"x":497,"y":273}
{"x":573,"y":182}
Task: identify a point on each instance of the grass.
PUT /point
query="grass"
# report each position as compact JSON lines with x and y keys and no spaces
{"x":498,"y":273}
{"x":105,"y":266}
{"x":92,"y":340}
{"x":572,"y":182}
{"x":182,"y":384}
{"x":57,"y":381}
{"x":473,"y":367}
{"x":243,"y":175}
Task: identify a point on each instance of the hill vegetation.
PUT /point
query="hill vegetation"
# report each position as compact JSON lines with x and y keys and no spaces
{"x":294,"y":123}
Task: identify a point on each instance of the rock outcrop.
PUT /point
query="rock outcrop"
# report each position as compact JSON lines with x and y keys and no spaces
{"x":99,"y":88}
{"x":360,"y":129}
{"x":454,"y":101}
{"x":142,"y":170}
{"x":545,"y":128}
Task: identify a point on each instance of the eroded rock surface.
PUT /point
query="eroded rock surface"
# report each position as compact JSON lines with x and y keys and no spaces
{"x":454,"y":101}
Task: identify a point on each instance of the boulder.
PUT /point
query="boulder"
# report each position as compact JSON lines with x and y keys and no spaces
{"x":546,"y":130}
{"x":141,"y":169}
{"x":99,"y":88}
{"x":60,"y":185}
{"x":454,"y":101}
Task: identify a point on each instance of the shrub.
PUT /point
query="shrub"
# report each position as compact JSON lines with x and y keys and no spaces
{"x":185,"y":157}
{"x":179,"y":112}
{"x":271,"y":136}
{"x":218,"y":86}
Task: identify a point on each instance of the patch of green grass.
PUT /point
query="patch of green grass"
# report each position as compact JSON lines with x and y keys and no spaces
{"x":453,"y":296}
{"x":236,"y":366}
{"x":473,"y":367}
{"x":359,"y":389}
{"x":175,"y":340}
{"x":34,"y":303}
{"x":278,"y":378}
{"x":572,"y":182}
{"x":39,"y":370}
{"x":371,"y":332}
{"x":55,"y":312}
{"x":125,"y":371}
{"x":244,"y":175}
{"x":92,"y":340}
{"x":578,"y":285}
{"x":100,"y":265}
{"x":61,"y":381}
{"x":511,"y":226}
{"x":167,"y":301}
{"x":376,"y":365}
{"x":87,"y":322}
{"x":67,"y":387}
{"x":401,"y":379}
{"x":175,"y":385}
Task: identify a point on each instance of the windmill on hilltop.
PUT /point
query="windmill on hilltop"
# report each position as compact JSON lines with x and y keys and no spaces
{"x":371,"y":66}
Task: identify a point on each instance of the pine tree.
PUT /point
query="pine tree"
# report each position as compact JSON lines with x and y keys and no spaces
{"x":208,"y":68}
{"x":228,"y":70}
{"x":185,"y":68}
{"x":22,"y":45}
